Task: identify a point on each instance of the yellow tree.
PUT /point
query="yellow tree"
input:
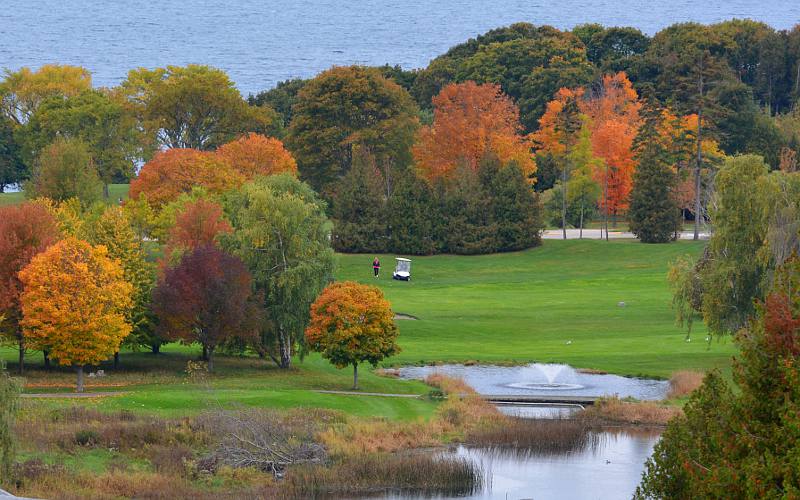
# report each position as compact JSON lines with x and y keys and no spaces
{"x":75,"y":304}
{"x":114,"y":230}
{"x":352,"y":323}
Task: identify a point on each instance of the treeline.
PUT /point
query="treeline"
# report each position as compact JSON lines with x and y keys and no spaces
{"x":576,"y":124}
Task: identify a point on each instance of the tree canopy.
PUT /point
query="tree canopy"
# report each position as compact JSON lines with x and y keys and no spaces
{"x":350,"y":324}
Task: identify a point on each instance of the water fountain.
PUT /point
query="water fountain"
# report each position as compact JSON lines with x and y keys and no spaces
{"x":549,"y":372}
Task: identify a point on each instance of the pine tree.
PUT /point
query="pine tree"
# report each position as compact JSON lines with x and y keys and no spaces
{"x":515,"y":209}
{"x":412,"y":217}
{"x":359,"y":208}
{"x":654,"y":212}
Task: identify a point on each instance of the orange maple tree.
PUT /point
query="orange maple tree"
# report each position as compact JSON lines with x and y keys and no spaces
{"x":555,"y":133}
{"x":469,"y":121}
{"x":75,"y":303}
{"x":614,"y":120}
{"x":197,"y":224}
{"x":352,"y":323}
{"x":253,"y":155}
{"x":176,"y":171}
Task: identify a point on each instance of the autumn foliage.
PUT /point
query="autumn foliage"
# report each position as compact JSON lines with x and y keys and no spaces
{"x":614,"y":120}
{"x":206,"y":299}
{"x":197,"y":224}
{"x":25,"y":230}
{"x":471,"y":121}
{"x":352,"y":323}
{"x":176,"y":171}
{"x":253,"y":155}
{"x":75,"y":303}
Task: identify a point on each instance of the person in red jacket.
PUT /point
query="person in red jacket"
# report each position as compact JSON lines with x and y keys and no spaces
{"x":376,"y":266}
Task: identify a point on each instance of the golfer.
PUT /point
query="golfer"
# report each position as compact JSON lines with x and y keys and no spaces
{"x":376,"y":266}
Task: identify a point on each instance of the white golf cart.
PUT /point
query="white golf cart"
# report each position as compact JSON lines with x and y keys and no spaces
{"x":402,"y":271}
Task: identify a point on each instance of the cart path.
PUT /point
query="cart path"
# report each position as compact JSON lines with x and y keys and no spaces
{"x":379,"y":394}
{"x":70,"y":395}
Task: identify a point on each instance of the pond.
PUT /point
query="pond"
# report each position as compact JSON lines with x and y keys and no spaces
{"x":543,"y":379}
{"x":609,"y":467}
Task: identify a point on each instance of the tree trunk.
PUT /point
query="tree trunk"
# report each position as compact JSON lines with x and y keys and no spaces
{"x":46,"y":355}
{"x":105,"y":190}
{"x":116,"y":360}
{"x":79,"y":386}
{"x":580,"y":235}
{"x":564,"y":200}
{"x":21,"y":367}
{"x":355,"y":376}
{"x":210,"y":360}
{"x":605,"y":204}
{"x":204,"y":356}
{"x":286,"y":350}
{"x":697,"y":186}
{"x":155,"y":348}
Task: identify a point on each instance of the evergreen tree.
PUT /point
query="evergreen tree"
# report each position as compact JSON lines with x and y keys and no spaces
{"x":467,"y":206}
{"x":412,"y":217}
{"x":359,"y":209}
{"x":654,"y":212}
{"x":515,"y":208}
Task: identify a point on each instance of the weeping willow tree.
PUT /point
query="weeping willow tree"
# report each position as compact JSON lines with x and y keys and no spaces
{"x":9,"y":393}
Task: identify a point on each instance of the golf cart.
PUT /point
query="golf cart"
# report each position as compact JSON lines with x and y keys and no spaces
{"x":402,"y":270}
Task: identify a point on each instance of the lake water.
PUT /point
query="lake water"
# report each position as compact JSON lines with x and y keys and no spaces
{"x":260,"y":42}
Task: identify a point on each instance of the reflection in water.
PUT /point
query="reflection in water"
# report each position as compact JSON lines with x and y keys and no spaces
{"x":608,"y":469}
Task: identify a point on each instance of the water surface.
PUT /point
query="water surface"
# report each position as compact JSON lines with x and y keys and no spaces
{"x":543,"y":379}
{"x":262,"y":42}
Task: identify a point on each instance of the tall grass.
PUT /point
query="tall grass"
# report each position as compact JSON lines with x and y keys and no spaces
{"x":370,"y":474}
{"x":615,"y":411}
{"x":684,"y":382}
{"x":528,"y":437}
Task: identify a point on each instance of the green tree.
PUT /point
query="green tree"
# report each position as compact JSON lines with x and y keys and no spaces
{"x":100,"y":121}
{"x":469,"y":227}
{"x":283,"y":236}
{"x":348,"y":107}
{"x":113,"y":229}
{"x":282,"y":98}
{"x":654,"y":214}
{"x":359,"y":208}
{"x":742,"y":441}
{"x":352,"y":323}
{"x":689,"y":61}
{"x":514,"y":206}
{"x":412,"y":218}
{"x":734,"y":277}
{"x":22,"y":91}
{"x":12,"y":169}
{"x":194,"y":107}
{"x":65,"y":169}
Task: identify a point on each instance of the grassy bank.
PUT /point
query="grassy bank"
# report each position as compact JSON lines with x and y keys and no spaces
{"x":115,"y":192}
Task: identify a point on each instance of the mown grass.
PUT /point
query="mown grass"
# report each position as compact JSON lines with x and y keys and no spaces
{"x":115,"y":192}
{"x":556,"y":303}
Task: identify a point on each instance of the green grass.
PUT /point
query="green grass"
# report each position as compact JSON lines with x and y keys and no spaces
{"x":555,"y":303}
{"x":115,"y":192}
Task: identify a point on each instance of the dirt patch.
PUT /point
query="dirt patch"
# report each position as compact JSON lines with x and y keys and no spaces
{"x":405,"y":317}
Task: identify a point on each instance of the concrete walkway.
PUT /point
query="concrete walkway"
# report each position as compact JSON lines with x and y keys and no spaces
{"x":595,"y":234}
